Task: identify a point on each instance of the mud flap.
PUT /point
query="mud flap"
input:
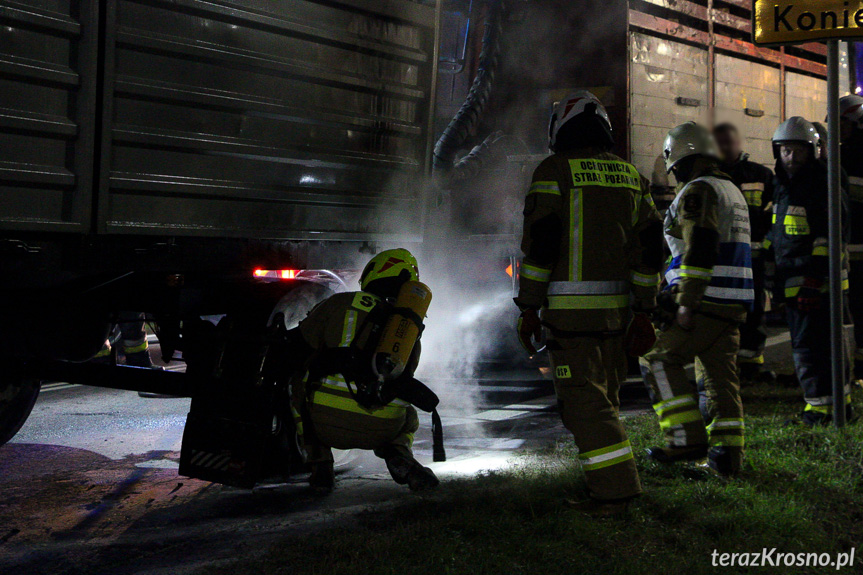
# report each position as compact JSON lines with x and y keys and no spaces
{"x":222,"y":450}
{"x":232,"y":423}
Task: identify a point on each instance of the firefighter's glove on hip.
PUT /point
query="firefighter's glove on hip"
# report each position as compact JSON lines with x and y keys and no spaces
{"x":640,"y":336}
{"x":809,"y":296}
{"x":529,"y":327}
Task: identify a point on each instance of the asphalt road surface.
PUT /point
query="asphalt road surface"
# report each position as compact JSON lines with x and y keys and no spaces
{"x":90,"y":484}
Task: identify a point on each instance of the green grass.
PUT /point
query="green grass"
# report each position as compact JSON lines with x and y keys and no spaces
{"x":801,"y":491}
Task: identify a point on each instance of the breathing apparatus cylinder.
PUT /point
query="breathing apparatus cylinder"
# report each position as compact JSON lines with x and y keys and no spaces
{"x":401,"y":331}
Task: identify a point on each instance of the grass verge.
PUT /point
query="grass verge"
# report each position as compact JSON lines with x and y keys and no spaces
{"x":801,"y":491}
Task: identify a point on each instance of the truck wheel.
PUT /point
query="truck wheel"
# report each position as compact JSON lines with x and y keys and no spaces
{"x":16,"y":402}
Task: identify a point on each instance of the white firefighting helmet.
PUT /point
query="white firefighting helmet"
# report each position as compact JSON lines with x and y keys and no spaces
{"x":851,"y":108}
{"x":795,"y":129}
{"x":689,"y":139}
{"x":574,"y":105}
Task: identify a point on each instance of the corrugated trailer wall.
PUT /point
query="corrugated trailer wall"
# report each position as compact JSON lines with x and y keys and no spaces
{"x":251,"y":118}
{"x":267,"y":118}
{"x":805,"y":96}
{"x":47,"y":99}
{"x":748,"y":95}
{"x":668,"y":86}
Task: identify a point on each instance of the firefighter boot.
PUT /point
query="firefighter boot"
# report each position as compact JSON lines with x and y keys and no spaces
{"x":725,"y":461}
{"x":408,"y":471}
{"x":675,"y":454}
{"x":323,"y":478}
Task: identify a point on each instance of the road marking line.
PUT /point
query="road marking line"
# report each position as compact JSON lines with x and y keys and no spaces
{"x":777,"y":339}
{"x":500,"y":414}
{"x":58,"y":386}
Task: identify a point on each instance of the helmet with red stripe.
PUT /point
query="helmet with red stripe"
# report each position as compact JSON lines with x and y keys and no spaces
{"x":581,"y":110}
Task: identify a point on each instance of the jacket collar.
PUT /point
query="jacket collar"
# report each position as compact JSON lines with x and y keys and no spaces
{"x":705,"y":167}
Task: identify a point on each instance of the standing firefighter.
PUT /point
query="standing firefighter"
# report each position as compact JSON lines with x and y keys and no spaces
{"x":756,"y":183}
{"x":799,"y":243}
{"x":710,"y":280}
{"x":591,"y":241}
{"x":338,"y":404}
{"x":851,"y":132}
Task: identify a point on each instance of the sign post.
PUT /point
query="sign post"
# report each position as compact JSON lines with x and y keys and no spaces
{"x":837,"y":354}
{"x":783,"y":22}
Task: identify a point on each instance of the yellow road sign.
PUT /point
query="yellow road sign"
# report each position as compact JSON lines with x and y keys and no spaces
{"x":793,"y":21}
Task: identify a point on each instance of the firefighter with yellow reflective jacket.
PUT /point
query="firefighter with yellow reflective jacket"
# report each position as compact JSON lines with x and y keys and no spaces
{"x":592,"y":246}
{"x":328,"y":408}
{"x":710,"y":288}
{"x":799,"y":243}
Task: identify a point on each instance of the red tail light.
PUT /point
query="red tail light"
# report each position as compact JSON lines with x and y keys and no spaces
{"x":276,"y":274}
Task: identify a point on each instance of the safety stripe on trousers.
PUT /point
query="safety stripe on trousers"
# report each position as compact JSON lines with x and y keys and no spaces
{"x":588,"y":288}
{"x":657,"y":368}
{"x":664,"y":406}
{"x":825,"y":399}
{"x":726,"y":432}
{"x":136,"y":348}
{"x":606,"y":456}
{"x":685,"y":412}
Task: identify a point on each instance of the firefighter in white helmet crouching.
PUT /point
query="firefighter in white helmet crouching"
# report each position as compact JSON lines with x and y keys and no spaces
{"x":592,"y":250}
{"x":358,"y":352}
{"x":709,"y":289}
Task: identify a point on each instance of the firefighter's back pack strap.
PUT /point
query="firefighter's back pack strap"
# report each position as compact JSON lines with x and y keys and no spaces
{"x":438,"y":451}
{"x":420,"y":395}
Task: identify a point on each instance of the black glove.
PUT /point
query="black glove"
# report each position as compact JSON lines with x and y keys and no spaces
{"x":529,"y":327}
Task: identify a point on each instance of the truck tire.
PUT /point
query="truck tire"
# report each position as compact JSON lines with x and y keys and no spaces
{"x":16,"y":403}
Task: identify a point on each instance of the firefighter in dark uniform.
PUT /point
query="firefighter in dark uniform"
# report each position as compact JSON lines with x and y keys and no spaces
{"x":710,"y":280}
{"x":851,"y":135}
{"x":756,"y":183}
{"x":798,"y":240}
{"x":325,"y":405}
{"x":591,"y":243}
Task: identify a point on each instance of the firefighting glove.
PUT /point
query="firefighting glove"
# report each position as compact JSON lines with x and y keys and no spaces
{"x":529,"y":327}
{"x":640,"y":335}
{"x":809,"y":296}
